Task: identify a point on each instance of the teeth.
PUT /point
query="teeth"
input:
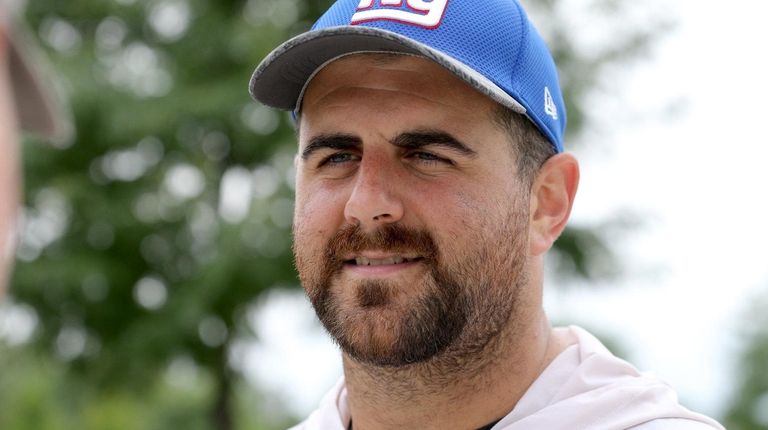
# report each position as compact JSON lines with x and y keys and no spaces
{"x":363,"y":261}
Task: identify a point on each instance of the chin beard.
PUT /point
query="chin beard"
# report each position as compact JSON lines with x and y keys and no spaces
{"x":452,"y":315}
{"x":378,"y":335}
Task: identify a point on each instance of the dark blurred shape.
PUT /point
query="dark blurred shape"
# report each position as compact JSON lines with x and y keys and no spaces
{"x":38,"y":106}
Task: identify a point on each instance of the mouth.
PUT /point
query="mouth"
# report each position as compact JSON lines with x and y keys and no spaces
{"x":387,"y":261}
{"x":382,"y":265}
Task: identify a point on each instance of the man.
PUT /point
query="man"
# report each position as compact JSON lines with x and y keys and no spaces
{"x":24,"y":104}
{"x":431,"y":181}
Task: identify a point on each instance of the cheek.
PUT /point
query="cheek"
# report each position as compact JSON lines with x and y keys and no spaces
{"x":447,"y":205}
{"x":448,"y":214}
{"x":466,"y":216}
{"x":317,"y":216}
{"x":319,"y":204}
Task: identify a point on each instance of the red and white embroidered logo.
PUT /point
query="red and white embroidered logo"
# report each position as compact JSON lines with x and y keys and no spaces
{"x":426,"y":14}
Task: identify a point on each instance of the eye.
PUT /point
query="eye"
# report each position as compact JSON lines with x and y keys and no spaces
{"x":337,"y":159}
{"x":428,"y":158}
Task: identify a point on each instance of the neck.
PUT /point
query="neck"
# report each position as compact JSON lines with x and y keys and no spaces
{"x":426,"y":395}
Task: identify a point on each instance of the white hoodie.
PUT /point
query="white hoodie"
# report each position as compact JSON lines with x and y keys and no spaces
{"x":585,"y":387}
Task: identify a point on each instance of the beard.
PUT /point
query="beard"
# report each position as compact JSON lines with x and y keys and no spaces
{"x":457,"y":307}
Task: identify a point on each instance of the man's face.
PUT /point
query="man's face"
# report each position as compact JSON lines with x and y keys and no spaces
{"x":411,"y":224}
{"x":8,"y":163}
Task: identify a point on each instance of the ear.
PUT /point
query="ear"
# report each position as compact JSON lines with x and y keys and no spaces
{"x":552,"y":195}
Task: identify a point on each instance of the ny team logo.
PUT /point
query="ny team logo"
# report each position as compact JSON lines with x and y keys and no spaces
{"x":427,"y":14}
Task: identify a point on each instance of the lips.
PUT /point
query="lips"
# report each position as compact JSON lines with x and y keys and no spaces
{"x":385,"y":251}
{"x":397,"y":259}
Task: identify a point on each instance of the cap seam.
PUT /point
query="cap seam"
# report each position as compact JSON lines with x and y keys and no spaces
{"x":522,"y":17}
{"x":530,"y":112}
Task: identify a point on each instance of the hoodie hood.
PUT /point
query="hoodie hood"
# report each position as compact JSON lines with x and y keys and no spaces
{"x":585,"y":387}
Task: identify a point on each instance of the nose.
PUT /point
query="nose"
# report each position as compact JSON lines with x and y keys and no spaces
{"x":375,"y":199}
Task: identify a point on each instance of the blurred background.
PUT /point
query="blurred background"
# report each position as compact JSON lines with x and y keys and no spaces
{"x":154,"y":286}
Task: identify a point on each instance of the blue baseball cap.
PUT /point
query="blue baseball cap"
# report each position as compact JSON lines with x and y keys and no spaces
{"x":490,"y":44}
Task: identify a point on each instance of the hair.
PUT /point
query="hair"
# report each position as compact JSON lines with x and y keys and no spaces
{"x":529,"y":146}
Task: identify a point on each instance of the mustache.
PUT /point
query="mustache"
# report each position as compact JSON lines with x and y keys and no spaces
{"x":395,"y":238}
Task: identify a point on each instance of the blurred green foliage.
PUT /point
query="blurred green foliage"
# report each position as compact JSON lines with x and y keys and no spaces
{"x":40,"y":393}
{"x":749,"y":407}
{"x":148,"y":238}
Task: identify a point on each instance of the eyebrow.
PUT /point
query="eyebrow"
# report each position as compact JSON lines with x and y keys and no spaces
{"x":422,"y":138}
{"x":332,"y":141}
{"x":411,"y":140}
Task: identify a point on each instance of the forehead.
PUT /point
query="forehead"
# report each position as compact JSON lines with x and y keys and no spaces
{"x":393,"y":85}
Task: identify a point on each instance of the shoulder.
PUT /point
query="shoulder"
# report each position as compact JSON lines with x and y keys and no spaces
{"x":675,"y":424}
{"x":332,"y":412}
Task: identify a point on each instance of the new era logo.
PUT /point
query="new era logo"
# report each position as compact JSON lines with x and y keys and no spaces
{"x":550,"y":108}
{"x":426,"y":14}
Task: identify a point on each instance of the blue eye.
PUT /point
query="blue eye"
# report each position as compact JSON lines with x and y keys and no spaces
{"x":337,"y":158}
{"x":428,"y":158}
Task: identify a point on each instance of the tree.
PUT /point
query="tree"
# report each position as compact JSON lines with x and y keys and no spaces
{"x":148,"y":237}
{"x":749,"y":406}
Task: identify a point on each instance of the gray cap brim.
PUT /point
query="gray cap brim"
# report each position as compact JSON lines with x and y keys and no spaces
{"x":281,"y":78}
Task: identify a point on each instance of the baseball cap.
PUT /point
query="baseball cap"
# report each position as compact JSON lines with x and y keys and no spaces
{"x":38,"y":107}
{"x":490,"y":44}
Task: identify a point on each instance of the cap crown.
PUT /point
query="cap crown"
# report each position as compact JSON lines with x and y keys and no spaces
{"x":493,"y":37}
